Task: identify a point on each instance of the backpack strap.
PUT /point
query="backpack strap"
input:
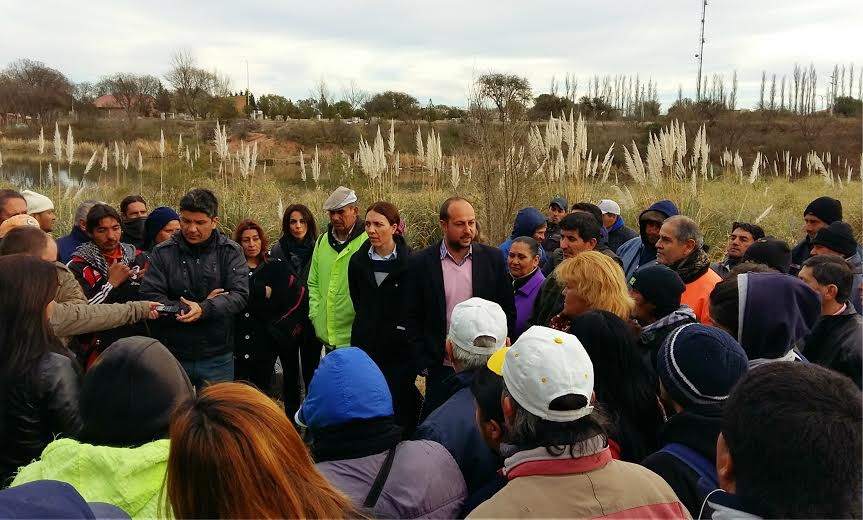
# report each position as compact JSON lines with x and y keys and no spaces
{"x":695,"y":461}
{"x":380,"y":480}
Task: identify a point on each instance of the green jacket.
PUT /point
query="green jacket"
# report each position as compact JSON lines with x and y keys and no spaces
{"x":129,"y":478}
{"x":330,"y":307}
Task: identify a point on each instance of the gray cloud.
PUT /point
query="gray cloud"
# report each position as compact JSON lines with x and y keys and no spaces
{"x":432,"y":50}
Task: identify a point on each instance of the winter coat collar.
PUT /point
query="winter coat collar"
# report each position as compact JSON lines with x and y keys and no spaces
{"x":528,"y":283}
{"x":358,"y":229}
{"x":682,"y":314}
{"x":585,"y":456}
{"x":617,"y":224}
{"x":696,"y":427}
{"x":90,"y":253}
{"x":355,"y":439}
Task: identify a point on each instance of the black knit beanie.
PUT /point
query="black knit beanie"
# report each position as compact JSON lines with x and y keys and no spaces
{"x":660,"y":286}
{"x":771,"y":252}
{"x":827,"y":209}
{"x":838,"y":237}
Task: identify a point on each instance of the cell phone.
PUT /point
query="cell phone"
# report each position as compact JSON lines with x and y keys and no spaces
{"x":135,"y":270}
{"x":168,"y":309}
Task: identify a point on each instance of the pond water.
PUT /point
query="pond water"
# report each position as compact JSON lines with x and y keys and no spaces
{"x":26,"y":174}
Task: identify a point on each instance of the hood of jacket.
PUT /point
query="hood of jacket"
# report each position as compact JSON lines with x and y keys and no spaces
{"x":129,"y":478}
{"x":776,"y":311}
{"x":526,"y":222}
{"x":617,"y":224}
{"x":347,"y":386}
{"x":129,"y":393}
{"x":666,"y":207}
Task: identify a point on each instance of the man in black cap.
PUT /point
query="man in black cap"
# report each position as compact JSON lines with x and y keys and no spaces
{"x":820,"y":213}
{"x":770,"y":251}
{"x":557,"y":209}
{"x":743,"y":235}
{"x":837,"y":239}
{"x":656,"y":290}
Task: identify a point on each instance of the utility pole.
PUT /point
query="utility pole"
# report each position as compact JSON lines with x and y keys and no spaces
{"x":700,"y":54}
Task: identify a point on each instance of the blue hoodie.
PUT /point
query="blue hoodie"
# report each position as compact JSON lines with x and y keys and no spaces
{"x":776,"y":311}
{"x":526,"y":222}
{"x":638,"y":252}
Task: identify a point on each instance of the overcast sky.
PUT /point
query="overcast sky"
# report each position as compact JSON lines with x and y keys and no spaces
{"x":433,"y":49}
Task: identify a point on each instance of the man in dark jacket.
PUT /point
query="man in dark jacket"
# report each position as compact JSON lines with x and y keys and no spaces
{"x":697,"y":368}
{"x":641,"y":250}
{"x":66,"y":245}
{"x":477,"y":330}
{"x":205,"y":274}
{"x":618,"y":232}
{"x":109,"y":271}
{"x":820,"y":213}
{"x":579,"y":232}
{"x":557,"y":209}
{"x":656,"y":290}
{"x":837,"y":239}
{"x":836,"y":339}
{"x":133,"y":210}
{"x":743,"y":235}
{"x":446,"y":274}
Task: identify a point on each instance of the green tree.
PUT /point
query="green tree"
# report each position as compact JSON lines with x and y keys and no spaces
{"x":343,"y":109}
{"x":509,"y":93}
{"x":392,"y":105}
{"x":547,"y":104}
{"x":847,"y":106}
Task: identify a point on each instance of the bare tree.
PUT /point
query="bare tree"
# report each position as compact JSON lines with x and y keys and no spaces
{"x":30,"y":87}
{"x":732,"y":99}
{"x":761,"y":97}
{"x":135,"y":94}
{"x":192,"y":84}
{"x":773,"y":93}
{"x":222,"y":84}
{"x":354,"y":96}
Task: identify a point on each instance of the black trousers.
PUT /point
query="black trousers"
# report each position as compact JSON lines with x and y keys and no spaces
{"x":299,"y":363}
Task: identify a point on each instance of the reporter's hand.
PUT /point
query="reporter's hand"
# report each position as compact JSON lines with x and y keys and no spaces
{"x":214,"y":293}
{"x":269,"y":291}
{"x":153,"y":313}
{"x":118,"y":274}
{"x":193,"y":314}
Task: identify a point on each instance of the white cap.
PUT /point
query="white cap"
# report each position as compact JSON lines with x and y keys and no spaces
{"x":474,"y":318}
{"x":340,"y":198}
{"x":609,"y":206}
{"x":36,"y":202}
{"x":544,"y":364}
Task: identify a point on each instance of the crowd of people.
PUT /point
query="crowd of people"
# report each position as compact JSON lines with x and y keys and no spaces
{"x":155,"y":366}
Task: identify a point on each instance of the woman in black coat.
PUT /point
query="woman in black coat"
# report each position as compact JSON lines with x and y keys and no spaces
{"x":377,"y":274}
{"x":39,"y":379}
{"x":272,"y":323}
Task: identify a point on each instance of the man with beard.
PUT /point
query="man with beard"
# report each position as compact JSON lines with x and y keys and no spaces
{"x":445,"y":274}
{"x":743,"y":235}
{"x":641,"y":250}
{"x":681,"y":247}
{"x":108,"y":270}
{"x":41,"y":208}
{"x":133,"y":210}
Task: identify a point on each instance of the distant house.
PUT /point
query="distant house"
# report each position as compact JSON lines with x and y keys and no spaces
{"x":108,"y":106}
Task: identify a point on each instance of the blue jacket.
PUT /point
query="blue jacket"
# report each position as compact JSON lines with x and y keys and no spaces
{"x":68,"y":244}
{"x":638,"y":252}
{"x":453,"y":425}
{"x":526,"y":222}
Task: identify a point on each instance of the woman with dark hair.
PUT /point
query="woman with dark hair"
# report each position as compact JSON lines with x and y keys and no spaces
{"x":271,"y":323}
{"x":623,"y":383}
{"x":523,"y":261}
{"x":234,"y":454}
{"x":39,"y":380}
{"x":297,"y":243}
{"x":377,"y":274}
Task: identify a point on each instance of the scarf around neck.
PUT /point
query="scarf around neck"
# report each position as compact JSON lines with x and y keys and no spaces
{"x":692,"y":267}
{"x":90,"y":253}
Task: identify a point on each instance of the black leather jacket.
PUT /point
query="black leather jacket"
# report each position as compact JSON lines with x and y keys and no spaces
{"x":34,"y":408}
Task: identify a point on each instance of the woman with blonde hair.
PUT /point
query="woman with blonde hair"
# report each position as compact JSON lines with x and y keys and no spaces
{"x":234,"y":454}
{"x":591,"y":281}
